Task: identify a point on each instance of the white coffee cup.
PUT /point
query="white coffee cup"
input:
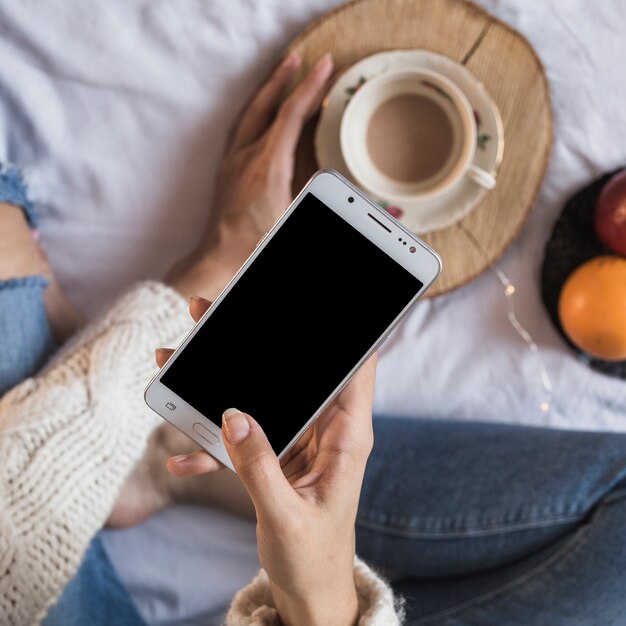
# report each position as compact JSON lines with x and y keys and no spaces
{"x":366,"y":101}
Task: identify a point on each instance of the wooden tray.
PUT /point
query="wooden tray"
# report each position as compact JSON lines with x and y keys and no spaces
{"x":501,"y":59}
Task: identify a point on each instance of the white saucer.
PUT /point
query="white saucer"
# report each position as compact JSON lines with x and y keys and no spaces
{"x":424,"y":215}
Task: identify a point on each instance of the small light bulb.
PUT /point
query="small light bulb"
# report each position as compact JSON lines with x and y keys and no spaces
{"x":510,"y":290}
{"x":545,"y":407}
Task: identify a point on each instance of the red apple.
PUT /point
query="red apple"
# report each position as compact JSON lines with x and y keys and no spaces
{"x":610,"y":214}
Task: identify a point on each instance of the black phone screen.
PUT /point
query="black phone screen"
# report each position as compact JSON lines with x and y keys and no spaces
{"x":294,"y":325}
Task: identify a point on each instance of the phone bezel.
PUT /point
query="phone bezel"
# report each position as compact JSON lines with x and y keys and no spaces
{"x":386,"y":232}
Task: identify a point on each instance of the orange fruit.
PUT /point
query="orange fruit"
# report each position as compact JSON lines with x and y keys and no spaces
{"x":592,"y":308}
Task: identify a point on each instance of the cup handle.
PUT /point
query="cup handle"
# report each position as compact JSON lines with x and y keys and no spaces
{"x":481,"y":177}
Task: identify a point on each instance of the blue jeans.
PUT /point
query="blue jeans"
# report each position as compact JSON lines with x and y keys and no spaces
{"x":476,"y":524}
{"x":498,"y":525}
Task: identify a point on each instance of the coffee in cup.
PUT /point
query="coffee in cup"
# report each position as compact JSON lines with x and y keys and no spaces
{"x":410,"y":134}
{"x":411,"y":139}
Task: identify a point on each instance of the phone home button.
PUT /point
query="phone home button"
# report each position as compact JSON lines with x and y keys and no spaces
{"x":205,"y":433}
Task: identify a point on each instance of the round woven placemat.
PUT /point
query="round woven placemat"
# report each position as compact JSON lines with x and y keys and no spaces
{"x":510,"y":70}
{"x":573,"y":242}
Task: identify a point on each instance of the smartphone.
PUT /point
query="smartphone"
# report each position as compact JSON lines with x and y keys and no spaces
{"x":321,"y":292}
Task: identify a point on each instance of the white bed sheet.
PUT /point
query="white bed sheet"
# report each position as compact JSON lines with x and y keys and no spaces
{"x":119,"y":110}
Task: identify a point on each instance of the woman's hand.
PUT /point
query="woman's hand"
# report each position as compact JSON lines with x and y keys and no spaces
{"x":306,"y":504}
{"x":254,"y":180}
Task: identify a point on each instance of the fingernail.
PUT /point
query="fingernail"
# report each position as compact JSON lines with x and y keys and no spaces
{"x":291,"y":60}
{"x":236,"y":426}
{"x":178,"y":458}
{"x":326,"y":60}
{"x":195,"y":299}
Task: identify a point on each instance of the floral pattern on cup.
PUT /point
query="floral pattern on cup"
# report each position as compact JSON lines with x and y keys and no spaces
{"x":354,"y":88}
{"x":437,"y":89}
{"x":393,"y":209}
{"x":481,"y":138}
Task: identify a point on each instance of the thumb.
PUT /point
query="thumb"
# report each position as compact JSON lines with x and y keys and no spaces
{"x":256,"y":463}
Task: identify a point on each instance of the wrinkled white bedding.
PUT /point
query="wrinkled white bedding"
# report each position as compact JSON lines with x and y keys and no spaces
{"x":119,"y":111}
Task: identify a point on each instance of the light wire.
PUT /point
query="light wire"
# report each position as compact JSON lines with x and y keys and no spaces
{"x":509,"y":293}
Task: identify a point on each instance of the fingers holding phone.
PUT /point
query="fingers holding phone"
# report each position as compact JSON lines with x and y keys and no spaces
{"x":200,"y":461}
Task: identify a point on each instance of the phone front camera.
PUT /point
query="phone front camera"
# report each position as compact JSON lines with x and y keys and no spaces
{"x":350,"y":199}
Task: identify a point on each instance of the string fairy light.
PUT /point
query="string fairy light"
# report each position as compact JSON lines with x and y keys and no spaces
{"x":509,"y":293}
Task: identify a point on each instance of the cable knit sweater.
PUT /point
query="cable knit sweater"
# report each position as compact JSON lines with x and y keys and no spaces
{"x":70,"y":436}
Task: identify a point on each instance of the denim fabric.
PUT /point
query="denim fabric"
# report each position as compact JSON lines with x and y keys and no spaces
{"x":498,"y":525}
{"x":95,"y":597}
{"x":13,"y":190}
{"x":25,"y":337}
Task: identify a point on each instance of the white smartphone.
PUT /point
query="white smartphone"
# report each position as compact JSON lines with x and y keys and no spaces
{"x":322,"y":291}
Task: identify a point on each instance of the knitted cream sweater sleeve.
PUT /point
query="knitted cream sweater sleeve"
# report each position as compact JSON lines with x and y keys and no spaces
{"x":68,"y":439}
{"x":253,"y":605}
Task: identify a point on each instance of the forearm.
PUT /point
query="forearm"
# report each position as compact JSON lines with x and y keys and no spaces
{"x":336,"y":603}
{"x":343,"y":611}
{"x":207,"y":270}
{"x":68,"y":439}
